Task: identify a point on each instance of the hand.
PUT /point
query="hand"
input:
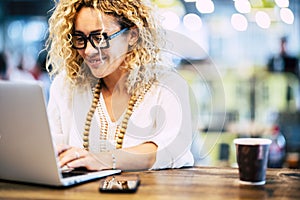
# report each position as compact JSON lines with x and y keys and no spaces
{"x":74,"y":157}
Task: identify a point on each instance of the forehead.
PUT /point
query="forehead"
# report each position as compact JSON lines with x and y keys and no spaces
{"x":90,"y":19}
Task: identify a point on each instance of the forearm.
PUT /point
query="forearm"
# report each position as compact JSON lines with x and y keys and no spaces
{"x":138,"y":157}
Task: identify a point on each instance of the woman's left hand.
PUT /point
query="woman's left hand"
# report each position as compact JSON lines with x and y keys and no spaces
{"x":74,"y":157}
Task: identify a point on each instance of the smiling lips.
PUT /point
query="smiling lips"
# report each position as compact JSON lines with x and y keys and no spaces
{"x":95,"y":62}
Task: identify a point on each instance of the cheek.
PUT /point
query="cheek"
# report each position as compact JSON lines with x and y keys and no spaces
{"x":118,"y":51}
{"x":81,"y":53}
{"x":119,"y":46}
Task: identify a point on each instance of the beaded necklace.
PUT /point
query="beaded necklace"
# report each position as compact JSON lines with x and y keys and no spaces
{"x":120,"y":131}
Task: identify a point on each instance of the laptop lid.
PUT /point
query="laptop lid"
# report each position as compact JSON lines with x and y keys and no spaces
{"x":27,"y":151}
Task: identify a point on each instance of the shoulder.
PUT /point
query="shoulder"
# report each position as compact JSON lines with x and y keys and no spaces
{"x":60,"y":85}
{"x":172,"y":81}
{"x":59,"y":79}
{"x":169,"y":89}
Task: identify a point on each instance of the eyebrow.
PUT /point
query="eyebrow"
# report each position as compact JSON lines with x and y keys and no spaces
{"x":92,"y":32}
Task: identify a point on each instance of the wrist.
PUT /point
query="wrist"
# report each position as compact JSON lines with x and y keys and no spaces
{"x":114,"y":161}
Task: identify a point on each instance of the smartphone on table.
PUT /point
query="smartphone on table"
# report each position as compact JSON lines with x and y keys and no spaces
{"x":120,"y":184}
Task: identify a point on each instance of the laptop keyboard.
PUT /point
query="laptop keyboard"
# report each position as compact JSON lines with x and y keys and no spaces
{"x":75,"y":172}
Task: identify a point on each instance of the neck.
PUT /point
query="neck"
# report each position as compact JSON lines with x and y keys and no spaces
{"x":115,"y":82}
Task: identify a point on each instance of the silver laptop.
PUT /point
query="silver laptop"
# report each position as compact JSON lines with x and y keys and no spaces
{"x":26,"y":148}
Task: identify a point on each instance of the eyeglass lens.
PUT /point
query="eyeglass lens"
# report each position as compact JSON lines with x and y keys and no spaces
{"x":98,"y":40}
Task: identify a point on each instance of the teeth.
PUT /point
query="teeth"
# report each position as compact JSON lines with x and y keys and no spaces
{"x":94,"y":61}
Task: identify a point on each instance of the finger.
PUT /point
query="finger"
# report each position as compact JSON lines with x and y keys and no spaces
{"x":61,"y":148}
{"x":86,"y":162}
{"x":77,"y":155}
{"x":70,"y":155}
{"x":76,"y":163}
{"x":67,"y":156}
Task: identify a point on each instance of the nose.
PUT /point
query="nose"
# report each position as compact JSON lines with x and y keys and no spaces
{"x":90,"y":49}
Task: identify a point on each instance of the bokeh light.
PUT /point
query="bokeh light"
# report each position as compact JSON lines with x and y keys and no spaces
{"x":242,"y":6}
{"x":262,"y":19}
{"x":239,"y":22}
{"x":192,"y":22}
{"x":287,"y":16}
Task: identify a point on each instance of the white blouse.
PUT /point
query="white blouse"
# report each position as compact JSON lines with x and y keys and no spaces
{"x":163,"y":117}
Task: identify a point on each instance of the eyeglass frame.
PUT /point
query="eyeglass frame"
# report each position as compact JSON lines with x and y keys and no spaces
{"x":105,"y":36}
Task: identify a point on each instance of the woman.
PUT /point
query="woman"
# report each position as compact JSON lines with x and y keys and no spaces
{"x":114,"y":103}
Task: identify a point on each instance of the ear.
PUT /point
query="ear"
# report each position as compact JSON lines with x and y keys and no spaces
{"x":133,"y":36}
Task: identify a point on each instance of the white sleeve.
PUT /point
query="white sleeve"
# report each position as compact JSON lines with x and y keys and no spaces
{"x":173,"y":130}
{"x":58,"y":110}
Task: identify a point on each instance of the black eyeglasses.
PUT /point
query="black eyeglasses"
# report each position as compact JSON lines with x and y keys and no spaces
{"x":97,"y":39}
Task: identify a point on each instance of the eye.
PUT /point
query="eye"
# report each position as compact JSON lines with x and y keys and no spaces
{"x":78,"y":39}
{"x":97,"y":38}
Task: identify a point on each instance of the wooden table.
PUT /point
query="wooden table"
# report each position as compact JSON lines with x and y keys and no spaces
{"x":189,"y":183}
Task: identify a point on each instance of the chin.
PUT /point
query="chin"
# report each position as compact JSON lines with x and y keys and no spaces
{"x":98,"y":75}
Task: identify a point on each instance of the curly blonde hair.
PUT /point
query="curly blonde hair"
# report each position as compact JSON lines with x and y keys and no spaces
{"x":144,"y":61}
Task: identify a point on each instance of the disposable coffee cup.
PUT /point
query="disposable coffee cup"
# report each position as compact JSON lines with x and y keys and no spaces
{"x":252,"y":158}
